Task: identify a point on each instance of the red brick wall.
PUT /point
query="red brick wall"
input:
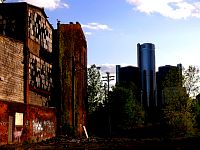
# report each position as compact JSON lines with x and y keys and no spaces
{"x":39,"y":122}
{"x":72,"y":46}
{"x":11,"y":70}
{"x":3,"y":123}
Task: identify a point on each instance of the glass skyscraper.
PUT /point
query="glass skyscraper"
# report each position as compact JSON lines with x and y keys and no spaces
{"x":146,"y":63}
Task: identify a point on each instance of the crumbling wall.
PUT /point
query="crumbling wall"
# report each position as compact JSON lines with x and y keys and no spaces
{"x":73,"y":75}
{"x":40,"y":123}
{"x":39,"y":31}
{"x":40,"y":62}
{"x":11,"y":70}
{"x":3,"y":123}
{"x":40,"y":81}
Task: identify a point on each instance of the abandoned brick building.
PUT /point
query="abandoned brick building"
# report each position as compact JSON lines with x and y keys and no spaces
{"x":25,"y":92}
{"x":71,"y":72}
{"x":29,"y":106}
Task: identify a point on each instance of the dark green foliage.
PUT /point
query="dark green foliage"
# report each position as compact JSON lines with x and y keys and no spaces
{"x":196,"y":111}
{"x":178,"y":111}
{"x":173,"y":78}
{"x":120,"y":112}
{"x":181,"y":111}
{"x":125,"y":110}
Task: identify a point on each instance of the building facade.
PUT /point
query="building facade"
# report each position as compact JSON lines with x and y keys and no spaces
{"x":167,"y":77}
{"x":130,"y":76}
{"x":71,"y":71}
{"x":127,"y":74}
{"x":27,"y":53}
{"x":146,"y":63}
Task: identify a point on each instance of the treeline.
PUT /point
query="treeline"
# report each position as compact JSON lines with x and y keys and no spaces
{"x":120,"y":110}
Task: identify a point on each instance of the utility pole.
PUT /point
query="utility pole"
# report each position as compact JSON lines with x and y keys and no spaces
{"x":105,"y":92}
{"x":108,"y":79}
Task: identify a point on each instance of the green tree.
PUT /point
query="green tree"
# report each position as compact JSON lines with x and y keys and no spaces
{"x":95,"y":89}
{"x":179,"y":110}
{"x":173,"y":78}
{"x":196,"y":111}
{"x":191,"y":82}
{"x":126,"y":112}
{"x":2,"y":1}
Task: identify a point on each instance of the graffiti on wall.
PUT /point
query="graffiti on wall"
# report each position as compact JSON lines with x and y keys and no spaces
{"x":4,"y":131}
{"x":18,"y":134}
{"x":2,"y":123}
{"x":49,"y":126}
{"x":43,"y":128}
{"x":37,"y":126}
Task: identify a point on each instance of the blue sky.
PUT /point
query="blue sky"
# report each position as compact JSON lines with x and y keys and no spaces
{"x":114,"y":27}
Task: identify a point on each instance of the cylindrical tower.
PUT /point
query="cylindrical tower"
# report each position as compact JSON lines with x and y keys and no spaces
{"x":117,"y":73}
{"x":146,"y":63}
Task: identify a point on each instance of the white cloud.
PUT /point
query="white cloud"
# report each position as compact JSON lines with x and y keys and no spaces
{"x":49,"y":4}
{"x":111,"y":68}
{"x":88,"y":33}
{"x":175,"y":9}
{"x":96,"y":26}
{"x":108,"y":68}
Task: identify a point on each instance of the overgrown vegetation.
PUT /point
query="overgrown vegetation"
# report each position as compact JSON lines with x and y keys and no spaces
{"x":120,"y":110}
{"x":95,"y":89}
{"x":123,"y":111}
{"x":181,"y":109}
{"x":126,"y":111}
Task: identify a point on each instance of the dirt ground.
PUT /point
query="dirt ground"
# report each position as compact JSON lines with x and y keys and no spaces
{"x":110,"y":143}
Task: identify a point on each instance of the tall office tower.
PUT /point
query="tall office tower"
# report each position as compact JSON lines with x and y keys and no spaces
{"x":146,"y":63}
{"x":173,"y":74}
{"x":127,"y":75}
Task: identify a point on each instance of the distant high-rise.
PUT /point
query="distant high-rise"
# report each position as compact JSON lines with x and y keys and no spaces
{"x":146,"y":63}
{"x":127,"y":74}
{"x":173,"y":74}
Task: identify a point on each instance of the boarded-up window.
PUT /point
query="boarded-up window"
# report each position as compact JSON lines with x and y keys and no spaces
{"x":19,"y":119}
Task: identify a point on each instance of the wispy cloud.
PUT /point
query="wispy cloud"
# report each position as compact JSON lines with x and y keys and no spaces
{"x":96,"y":26}
{"x":88,"y":33}
{"x":175,"y":9}
{"x":108,"y":68}
{"x":111,"y":68}
{"x":49,"y":4}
